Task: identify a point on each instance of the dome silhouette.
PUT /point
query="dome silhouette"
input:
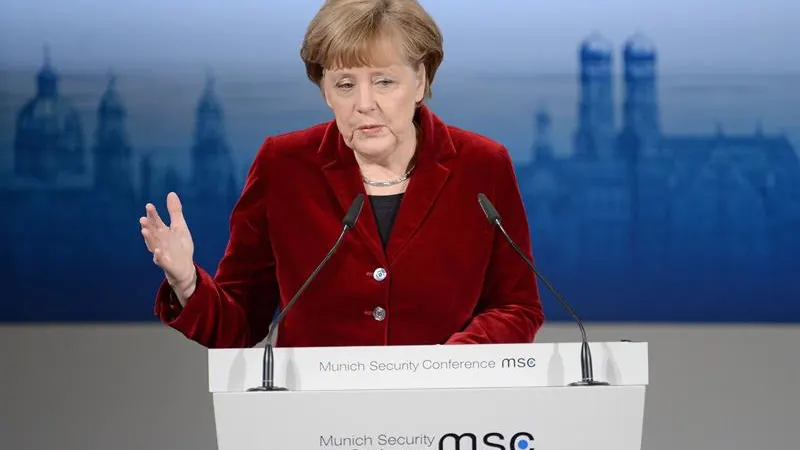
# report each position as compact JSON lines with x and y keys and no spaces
{"x":49,"y":138}
{"x":111,"y":103}
{"x":639,"y":46}
{"x":209,"y":103}
{"x":596,"y":46}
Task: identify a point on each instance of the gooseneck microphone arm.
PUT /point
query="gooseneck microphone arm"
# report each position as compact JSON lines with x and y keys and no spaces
{"x":268,"y":366}
{"x":587,"y":375}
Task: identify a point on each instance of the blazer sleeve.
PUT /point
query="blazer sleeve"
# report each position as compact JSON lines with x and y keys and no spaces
{"x":234,"y":308}
{"x":510,"y":309}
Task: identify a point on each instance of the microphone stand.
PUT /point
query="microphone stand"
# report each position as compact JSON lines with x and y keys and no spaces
{"x":268,"y":365}
{"x":587,"y":375}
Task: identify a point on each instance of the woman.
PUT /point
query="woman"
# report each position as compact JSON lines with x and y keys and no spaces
{"x":421,"y":266}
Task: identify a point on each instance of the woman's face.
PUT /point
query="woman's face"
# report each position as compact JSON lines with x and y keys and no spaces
{"x":374,"y":106}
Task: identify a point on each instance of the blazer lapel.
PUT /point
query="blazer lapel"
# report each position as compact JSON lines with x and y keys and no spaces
{"x":341,"y":172}
{"x":423,"y":189}
{"x":426,"y":182}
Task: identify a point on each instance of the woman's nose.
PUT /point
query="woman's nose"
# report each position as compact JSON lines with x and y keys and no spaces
{"x":366,"y":99}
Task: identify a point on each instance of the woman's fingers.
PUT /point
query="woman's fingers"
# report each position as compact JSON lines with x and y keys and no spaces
{"x":145,"y":222}
{"x":150,"y":239}
{"x":152,"y":214}
{"x":175,"y":209}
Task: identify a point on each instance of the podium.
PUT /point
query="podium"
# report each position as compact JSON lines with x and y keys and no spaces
{"x":440,"y":397}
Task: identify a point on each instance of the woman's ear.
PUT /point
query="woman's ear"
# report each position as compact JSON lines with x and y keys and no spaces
{"x":422,"y":83}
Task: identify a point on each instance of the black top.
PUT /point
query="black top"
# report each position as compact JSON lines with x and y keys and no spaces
{"x":385,"y":209}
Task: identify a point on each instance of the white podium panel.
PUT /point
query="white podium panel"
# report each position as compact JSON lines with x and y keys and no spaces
{"x":460,"y":397}
{"x":563,"y":418}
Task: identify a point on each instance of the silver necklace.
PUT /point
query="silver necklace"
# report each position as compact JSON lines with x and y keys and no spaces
{"x":387,"y":183}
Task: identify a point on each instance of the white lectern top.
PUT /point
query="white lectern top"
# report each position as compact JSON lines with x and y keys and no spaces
{"x":428,"y":367}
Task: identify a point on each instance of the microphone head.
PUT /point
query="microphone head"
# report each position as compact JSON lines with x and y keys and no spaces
{"x":353,"y":212}
{"x":488,"y":209}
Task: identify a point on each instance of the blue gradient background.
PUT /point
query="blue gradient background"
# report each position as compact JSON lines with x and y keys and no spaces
{"x":671,"y":197}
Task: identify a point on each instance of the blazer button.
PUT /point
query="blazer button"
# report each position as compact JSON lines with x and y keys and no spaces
{"x":379,"y":313}
{"x":379,"y":274}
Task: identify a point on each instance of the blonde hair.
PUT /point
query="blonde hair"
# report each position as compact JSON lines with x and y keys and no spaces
{"x":346,"y":33}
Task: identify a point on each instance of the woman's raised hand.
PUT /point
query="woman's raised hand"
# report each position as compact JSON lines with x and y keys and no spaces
{"x":171,"y":246}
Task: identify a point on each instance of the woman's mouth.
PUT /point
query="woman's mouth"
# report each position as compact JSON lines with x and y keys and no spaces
{"x":370,"y":129}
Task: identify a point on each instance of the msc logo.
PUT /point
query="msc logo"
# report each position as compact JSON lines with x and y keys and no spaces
{"x":518,"y":363}
{"x":469,"y":441}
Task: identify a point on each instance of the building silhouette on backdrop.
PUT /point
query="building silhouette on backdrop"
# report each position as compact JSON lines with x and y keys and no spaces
{"x":632,"y":211}
{"x":77,"y":204}
{"x":716,"y":213}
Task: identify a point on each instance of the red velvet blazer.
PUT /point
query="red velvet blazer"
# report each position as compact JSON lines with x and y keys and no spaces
{"x":446,"y":277}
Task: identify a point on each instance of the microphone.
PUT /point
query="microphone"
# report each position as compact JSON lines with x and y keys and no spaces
{"x":268,"y":369}
{"x":586,"y":354}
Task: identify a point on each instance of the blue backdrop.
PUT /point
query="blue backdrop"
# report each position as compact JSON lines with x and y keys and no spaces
{"x":656,"y":144}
